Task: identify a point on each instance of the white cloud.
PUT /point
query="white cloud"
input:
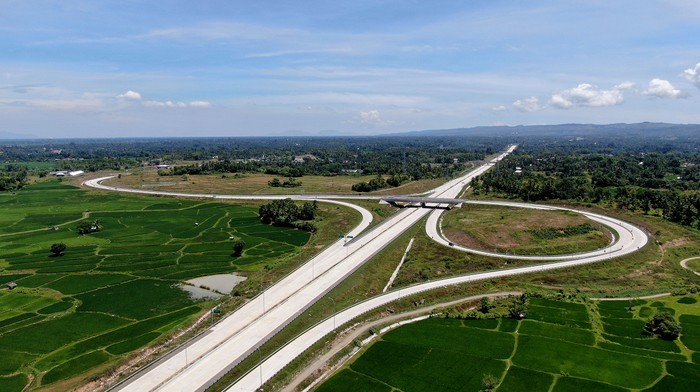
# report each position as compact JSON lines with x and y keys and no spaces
{"x":178,"y":104}
{"x":588,"y":95}
{"x":499,"y":108}
{"x":693,"y":74}
{"x":660,"y":88}
{"x":624,"y":86}
{"x":371,"y":117}
{"x":531,"y":104}
{"x":129,"y":96}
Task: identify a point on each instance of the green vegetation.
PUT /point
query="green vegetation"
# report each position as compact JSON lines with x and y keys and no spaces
{"x":664,"y":326}
{"x":380,"y":182}
{"x":289,"y":183}
{"x":537,"y":356}
{"x":523,"y":231}
{"x":238,"y":246}
{"x":58,"y":248}
{"x":665,"y":184}
{"x":285,"y":213}
{"x":115,"y":290}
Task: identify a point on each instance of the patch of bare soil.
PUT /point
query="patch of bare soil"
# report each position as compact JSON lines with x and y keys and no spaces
{"x":464,"y":239}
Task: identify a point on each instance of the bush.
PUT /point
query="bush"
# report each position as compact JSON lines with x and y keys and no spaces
{"x":58,"y":248}
{"x":488,"y":382}
{"x":485,"y":305}
{"x":87,"y":227}
{"x":238,"y":246}
{"x":664,"y":326}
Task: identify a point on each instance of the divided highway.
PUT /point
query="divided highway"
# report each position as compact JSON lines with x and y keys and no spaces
{"x":205,"y":360}
{"x":220,"y":348}
{"x":629,"y":238}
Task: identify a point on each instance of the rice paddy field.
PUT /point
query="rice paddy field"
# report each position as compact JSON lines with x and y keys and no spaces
{"x":561,"y":346}
{"x":112,"y":291}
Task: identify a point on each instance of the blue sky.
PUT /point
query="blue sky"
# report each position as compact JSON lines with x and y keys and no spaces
{"x":235,"y":68}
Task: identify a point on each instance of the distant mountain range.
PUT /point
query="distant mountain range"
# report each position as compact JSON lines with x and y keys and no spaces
{"x":572,"y":130}
{"x":641,"y":129}
{"x":14,"y":136}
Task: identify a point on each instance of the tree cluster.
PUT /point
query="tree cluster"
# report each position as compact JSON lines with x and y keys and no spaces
{"x":87,"y":227}
{"x":12,"y":177}
{"x":664,"y":184}
{"x":286,"y":213}
{"x":238,"y":246}
{"x":58,"y":248}
{"x":288,"y":183}
{"x":379,"y":182}
{"x":664,"y":326}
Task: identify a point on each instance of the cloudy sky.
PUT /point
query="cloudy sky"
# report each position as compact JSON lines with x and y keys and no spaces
{"x":74,"y":68}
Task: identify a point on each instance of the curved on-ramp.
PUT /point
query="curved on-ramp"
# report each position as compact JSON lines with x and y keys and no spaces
{"x":629,"y":239}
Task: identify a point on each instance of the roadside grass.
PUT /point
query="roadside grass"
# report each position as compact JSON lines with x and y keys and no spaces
{"x":694,"y":265}
{"x":523,"y":231}
{"x":114,"y":291}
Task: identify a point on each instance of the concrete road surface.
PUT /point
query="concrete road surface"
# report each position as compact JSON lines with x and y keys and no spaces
{"x":205,"y":360}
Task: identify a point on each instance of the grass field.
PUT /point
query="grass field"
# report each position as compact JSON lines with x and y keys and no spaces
{"x":543,"y":353}
{"x":694,"y":265}
{"x":523,"y":231}
{"x":115,"y":291}
{"x":251,"y":184}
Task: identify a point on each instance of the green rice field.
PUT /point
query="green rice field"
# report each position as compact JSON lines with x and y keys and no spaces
{"x":112,"y":291}
{"x":560,"y":346}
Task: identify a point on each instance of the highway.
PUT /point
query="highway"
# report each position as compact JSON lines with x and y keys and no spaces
{"x":205,"y":360}
{"x":222,"y":347}
{"x":630,"y":239}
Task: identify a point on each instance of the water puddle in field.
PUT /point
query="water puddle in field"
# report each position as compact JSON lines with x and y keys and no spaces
{"x":212,"y":286}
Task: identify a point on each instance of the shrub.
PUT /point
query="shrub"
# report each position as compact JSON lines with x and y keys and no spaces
{"x":488,"y":382}
{"x":87,"y":227}
{"x":238,"y":246}
{"x":58,"y":248}
{"x":664,"y":326}
{"x":485,"y":305}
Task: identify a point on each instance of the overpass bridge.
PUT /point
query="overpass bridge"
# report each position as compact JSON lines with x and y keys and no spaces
{"x":423,"y":202}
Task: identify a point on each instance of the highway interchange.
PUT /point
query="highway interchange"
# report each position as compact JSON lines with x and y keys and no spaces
{"x":204,"y":360}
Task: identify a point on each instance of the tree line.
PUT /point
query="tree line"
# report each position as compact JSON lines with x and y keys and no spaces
{"x":664,"y":184}
{"x":286,"y":213}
